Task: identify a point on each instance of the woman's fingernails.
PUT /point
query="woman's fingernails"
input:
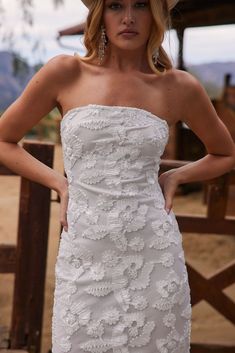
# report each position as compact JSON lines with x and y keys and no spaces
{"x":168,"y":210}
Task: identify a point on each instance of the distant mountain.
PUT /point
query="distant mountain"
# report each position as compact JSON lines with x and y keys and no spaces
{"x":211,"y":76}
{"x":11,"y":83}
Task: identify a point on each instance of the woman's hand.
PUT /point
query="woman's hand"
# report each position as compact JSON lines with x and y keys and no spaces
{"x":64,"y":198}
{"x":168,"y":182}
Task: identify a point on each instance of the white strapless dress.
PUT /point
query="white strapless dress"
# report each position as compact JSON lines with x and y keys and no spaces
{"x":121,"y":279}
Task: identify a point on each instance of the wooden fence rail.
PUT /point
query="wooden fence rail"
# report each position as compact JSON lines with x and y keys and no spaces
{"x":215,"y":222}
{"x":27,"y":260}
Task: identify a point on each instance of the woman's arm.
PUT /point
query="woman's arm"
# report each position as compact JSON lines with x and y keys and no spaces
{"x":199,"y":114}
{"x":37,"y":100}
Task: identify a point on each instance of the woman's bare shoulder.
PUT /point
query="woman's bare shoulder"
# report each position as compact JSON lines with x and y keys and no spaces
{"x":186,"y":85}
{"x":62,"y":67}
{"x":183,"y":78}
{"x":189,"y":85}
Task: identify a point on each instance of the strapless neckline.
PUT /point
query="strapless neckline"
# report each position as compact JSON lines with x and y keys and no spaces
{"x":117,"y":107}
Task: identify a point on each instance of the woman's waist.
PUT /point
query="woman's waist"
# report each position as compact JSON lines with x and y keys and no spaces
{"x":126,"y":197}
{"x":138,"y":188}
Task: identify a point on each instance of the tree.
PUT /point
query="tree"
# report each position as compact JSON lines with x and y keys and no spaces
{"x":26,"y":8}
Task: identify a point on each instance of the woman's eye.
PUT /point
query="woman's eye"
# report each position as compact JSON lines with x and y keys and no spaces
{"x":141,"y":4}
{"x":114,"y":5}
{"x":117,"y":5}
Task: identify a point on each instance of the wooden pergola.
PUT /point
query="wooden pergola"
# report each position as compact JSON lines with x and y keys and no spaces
{"x":187,"y":13}
{"x":199,"y":13}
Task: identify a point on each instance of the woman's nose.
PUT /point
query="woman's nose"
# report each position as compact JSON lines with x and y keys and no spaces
{"x":128,"y":16}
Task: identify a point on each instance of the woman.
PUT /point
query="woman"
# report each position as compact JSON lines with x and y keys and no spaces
{"x":121,"y":279}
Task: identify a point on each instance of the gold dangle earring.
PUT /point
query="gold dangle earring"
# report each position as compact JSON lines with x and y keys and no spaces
{"x":102,"y":45}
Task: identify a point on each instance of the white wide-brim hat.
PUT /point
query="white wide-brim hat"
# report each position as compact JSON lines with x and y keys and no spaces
{"x":171,"y":3}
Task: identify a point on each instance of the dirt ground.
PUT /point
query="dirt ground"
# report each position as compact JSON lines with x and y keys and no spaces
{"x":207,"y":253}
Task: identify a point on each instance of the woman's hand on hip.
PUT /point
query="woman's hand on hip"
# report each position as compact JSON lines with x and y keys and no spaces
{"x":169,"y":183}
{"x":64,"y":198}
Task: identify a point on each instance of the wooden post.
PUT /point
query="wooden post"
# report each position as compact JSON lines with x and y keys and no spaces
{"x":217,"y":197}
{"x":180,"y":35}
{"x":34,"y":211}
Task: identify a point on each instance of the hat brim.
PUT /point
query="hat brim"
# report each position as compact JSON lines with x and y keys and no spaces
{"x":171,"y":3}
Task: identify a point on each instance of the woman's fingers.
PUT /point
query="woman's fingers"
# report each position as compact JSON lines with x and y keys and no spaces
{"x":168,"y":185}
{"x":63,"y":210}
{"x":168,"y":195}
{"x":63,"y":219}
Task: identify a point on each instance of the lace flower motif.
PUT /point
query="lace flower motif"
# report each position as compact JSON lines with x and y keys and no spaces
{"x":187,"y":312}
{"x":95,"y":329}
{"x":128,"y":214}
{"x":70,"y":320}
{"x":133,"y":321}
{"x":161,"y":227}
{"x":78,"y":204}
{"x":97,"y":271}
{"x":110,"y":258}
{"x":111,"y":316}
{"x":164,"y":234}
{"x":136,"y":137}
{"x":103,"y":147}
{"x":169,"y":286}
{"x":169,"y":320}
{"x":170,"y":291}
{"x":74,"y":316}
{"x":130,"y":189}
{"x":139,"y":302}
{"x":72,"y":149}
{"x":136,"y":243}
{"x":65,"y":344}
{"x":168,"y":344}
{"x":89,"y":160}
{"x":105,"y":203}
{"x":123,"y":297}
{"x":91,"y":216}
{"x":151,"y":176}
{"x":166,"y":259}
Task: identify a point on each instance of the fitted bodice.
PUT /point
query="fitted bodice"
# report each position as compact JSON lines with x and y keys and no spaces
{"x":113,"y":150}
{"x":99,"y":140}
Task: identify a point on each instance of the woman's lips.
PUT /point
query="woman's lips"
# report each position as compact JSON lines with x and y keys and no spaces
{"x":128,"y":34}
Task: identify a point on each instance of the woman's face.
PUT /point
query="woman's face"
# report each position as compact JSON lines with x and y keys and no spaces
{"x":127,"y":15}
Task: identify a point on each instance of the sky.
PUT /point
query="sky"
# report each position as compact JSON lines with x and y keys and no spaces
{"x":201,"y":45}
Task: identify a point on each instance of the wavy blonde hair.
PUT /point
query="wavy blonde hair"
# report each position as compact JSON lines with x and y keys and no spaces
{"x":161,"y":22}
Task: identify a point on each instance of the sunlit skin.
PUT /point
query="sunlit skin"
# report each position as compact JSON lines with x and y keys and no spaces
{"x":124,"y":79}
{"x":127,"y":51}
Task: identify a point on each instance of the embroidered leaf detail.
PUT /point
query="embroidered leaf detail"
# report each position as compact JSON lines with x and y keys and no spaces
{"x":143,"y":280}
{"x":94,"y":124}
{"x":100,"y":289}
{"x":103,"y":345}
{"x":144,"y":337}
{"x":92,"y":176}
{"x":96,"y":232}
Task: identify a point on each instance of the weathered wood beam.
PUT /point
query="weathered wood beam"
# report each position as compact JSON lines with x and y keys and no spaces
{"x":212,"y":348}
{"x":5,"y":171}
{"x":203,"y":14}
{"x":31,"y":256}
{"x":7,"y":258}
{"x":200,"y":224}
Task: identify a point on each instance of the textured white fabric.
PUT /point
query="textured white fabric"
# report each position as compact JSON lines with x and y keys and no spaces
{"x":121,"y":280}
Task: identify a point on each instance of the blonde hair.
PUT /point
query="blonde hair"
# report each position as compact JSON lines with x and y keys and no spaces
{"x":161,"y":22}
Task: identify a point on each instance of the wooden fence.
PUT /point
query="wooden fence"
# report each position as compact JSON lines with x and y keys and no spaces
{"x":27,"y":260}
{"x":215,"y":222}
